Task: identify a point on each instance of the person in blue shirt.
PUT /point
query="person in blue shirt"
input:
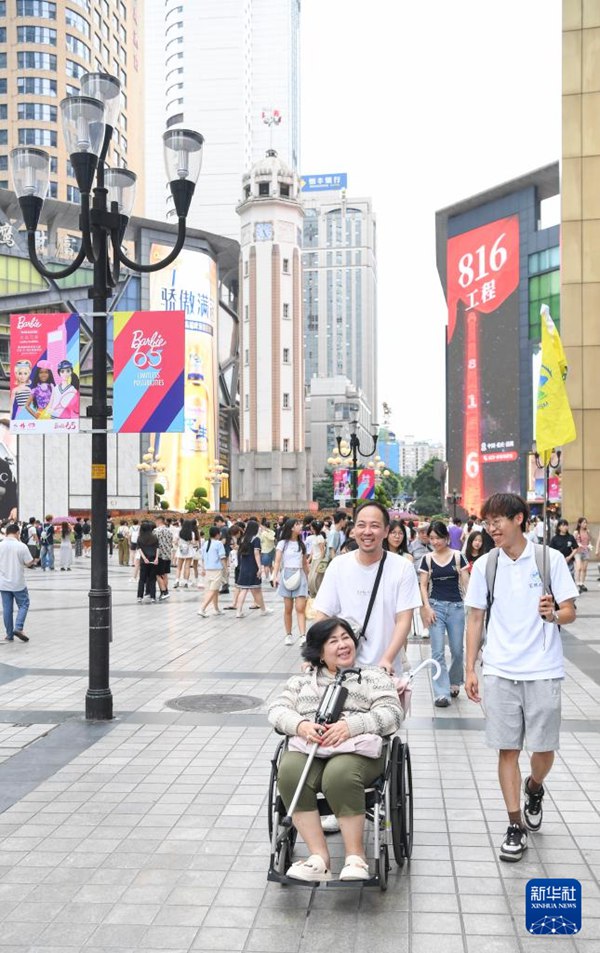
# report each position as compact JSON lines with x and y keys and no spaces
{"x":213,"y":561}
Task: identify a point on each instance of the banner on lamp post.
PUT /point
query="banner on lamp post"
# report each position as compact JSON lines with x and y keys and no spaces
{"x":44,"y":373}
{"x":366,"y":484}
{"x":342,"y":486}
{"x":149,"y":357}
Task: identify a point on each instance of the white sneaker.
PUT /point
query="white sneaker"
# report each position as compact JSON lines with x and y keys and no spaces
{"x":330,"y":824}
{"x":176,"y":584}
{"x":302,"y":640}
{"x":288,"y":640}
{"x":202,"y":613}
{"x":267,"y":611}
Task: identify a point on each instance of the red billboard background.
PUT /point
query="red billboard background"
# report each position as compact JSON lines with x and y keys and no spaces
{"x":483,"y":361}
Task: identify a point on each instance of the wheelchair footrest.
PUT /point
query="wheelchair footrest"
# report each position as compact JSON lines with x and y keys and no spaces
{"x":275,"y":877}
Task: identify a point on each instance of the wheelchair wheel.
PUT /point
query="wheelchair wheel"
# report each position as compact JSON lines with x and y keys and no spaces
{"x":273,"y":796}
{"x":283,"y":857}
{"x":401,"y":802}
{"x":407,"y":799}
{"x":383,"y":866}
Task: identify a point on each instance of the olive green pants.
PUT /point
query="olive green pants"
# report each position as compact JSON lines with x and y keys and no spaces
{"x":342,"y":779}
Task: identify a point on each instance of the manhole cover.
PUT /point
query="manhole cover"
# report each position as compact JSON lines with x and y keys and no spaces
{"x":214,"y":703}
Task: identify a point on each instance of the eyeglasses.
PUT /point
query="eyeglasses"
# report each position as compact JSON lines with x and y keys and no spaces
{"x":495,"y":524}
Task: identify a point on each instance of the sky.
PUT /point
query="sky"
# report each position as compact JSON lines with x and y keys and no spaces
{"x":423,"y":104}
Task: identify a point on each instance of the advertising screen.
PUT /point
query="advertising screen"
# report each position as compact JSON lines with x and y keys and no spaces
{"x":190,"y":285}
{"x":483,"y":361}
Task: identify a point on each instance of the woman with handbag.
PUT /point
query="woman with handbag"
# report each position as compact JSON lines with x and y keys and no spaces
{"x":290,"y":574}
{"x":443,"y":577}
{"x":371,"y":710}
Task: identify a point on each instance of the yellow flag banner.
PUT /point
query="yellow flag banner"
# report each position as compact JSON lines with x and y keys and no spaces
{"x":554,"y":424}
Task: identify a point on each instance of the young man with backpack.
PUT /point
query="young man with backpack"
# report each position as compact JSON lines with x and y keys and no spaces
{"x":47,"y":544}
{"x":522,"y":657}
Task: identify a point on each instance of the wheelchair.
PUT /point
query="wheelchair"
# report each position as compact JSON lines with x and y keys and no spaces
{"x":389,"y":820}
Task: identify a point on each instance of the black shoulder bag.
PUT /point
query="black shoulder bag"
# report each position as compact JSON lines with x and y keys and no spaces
{"x":373,"y":595}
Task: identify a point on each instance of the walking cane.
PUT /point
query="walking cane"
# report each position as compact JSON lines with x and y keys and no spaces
{"x":329,"y":711}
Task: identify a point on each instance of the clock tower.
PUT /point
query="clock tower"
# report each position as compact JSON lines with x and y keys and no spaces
{"x":272,"y":469}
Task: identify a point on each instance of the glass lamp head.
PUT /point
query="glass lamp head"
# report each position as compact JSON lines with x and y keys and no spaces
{"x":30,"y":170}
{"x":183,"y":154}
{"x":83,"y":124}
{"x":107,"y":89}
{"x":121,"y":189}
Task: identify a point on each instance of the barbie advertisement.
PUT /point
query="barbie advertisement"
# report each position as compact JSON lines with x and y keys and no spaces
{"x":44,"y":381}
{"x":148,"y":371}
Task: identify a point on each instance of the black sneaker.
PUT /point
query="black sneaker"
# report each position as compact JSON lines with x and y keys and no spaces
{"x":514,"y":844}
{"x":532,"y":809}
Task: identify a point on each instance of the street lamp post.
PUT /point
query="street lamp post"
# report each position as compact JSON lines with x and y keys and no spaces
{"x":454,"y":499}
{"x":354,"y":450}
{"x":216,"y":474}
{"x":89,"y":121}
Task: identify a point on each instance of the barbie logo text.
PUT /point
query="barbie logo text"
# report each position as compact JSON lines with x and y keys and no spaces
{"x":148,"y":351}
{"x":27,"y":322}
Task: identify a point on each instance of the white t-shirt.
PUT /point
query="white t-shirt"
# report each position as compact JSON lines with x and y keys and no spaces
{"x":291,"y":554}
{"x":519,"y":644}
{"x":346,"y":590}
{"x":14,"y":555}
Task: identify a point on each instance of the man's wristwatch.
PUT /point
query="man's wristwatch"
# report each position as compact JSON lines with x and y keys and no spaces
{"x":553,"y":617}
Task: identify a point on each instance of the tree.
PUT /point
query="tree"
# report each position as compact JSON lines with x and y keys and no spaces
{"x":159,"y":491}
{"x":392,"y":486}
{"x":198,"y":501}
{"x":323,"y":491}
{"x":381,"y":496}
{"x":428,"y":495}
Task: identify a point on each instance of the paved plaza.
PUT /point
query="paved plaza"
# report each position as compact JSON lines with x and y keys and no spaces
{"x":149,"y":833}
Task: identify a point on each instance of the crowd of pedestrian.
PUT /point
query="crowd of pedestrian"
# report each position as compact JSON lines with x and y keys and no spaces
{"x":380,"y":575}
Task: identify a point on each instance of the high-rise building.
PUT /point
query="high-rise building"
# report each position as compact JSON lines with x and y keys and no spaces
{"x":45,"y":47}
{"x":272,"y":469}
{"x":340,"y":292}
{"x":414,"y":454}
{"x":217,"y":66}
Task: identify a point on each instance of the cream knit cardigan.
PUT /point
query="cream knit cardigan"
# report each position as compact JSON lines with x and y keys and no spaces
{"x":372,"y":704}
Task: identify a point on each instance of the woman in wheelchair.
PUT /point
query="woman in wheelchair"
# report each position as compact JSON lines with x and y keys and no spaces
{"x":371,"y":708}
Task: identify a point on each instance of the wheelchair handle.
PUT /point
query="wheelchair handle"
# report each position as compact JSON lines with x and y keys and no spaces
{"x":428,"y":661}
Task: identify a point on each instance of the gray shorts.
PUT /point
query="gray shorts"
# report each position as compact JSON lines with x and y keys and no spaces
{"x":521,"y":714}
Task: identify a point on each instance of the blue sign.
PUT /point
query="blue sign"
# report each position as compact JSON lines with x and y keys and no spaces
{"x":332,"y":182}
{"x":553,"y":907}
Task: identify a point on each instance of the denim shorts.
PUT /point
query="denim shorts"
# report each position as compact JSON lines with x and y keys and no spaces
{"x":522,"y":714}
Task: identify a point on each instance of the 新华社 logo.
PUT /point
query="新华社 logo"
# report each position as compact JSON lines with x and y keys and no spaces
{"x":553,"y":907}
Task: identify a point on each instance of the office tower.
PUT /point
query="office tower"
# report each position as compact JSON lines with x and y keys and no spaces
{"x":272,"y":469}
{"x":216,"y":66}
{"x":45,"y":47}
{"x":340,"y":310}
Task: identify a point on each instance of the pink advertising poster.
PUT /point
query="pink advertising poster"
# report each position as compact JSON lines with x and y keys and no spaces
{"x":149,"y":371}
{"x":44,"y":373}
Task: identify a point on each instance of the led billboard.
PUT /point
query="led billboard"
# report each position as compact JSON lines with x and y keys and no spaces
{"x":482,"y":385}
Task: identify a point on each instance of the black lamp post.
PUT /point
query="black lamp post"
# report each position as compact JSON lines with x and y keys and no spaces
{"x":88,"y":124}
{"x":354,"y":450}
{"x":454,"y":499}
